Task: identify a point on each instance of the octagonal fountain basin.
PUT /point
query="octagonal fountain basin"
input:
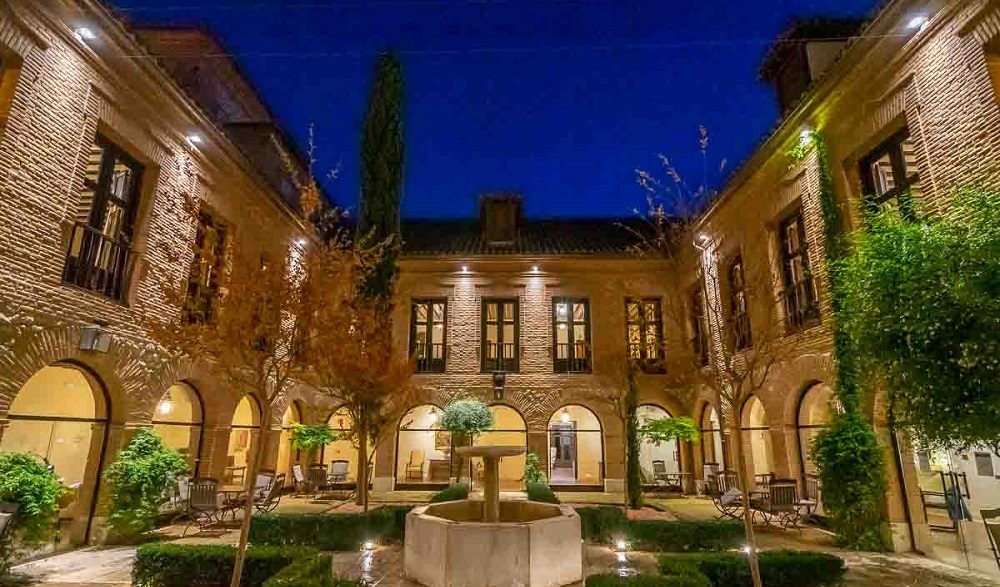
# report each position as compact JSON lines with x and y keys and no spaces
{"x":531,"y":545}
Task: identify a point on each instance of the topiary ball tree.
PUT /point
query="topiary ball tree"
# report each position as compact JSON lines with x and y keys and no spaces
{"x":467,"y":417}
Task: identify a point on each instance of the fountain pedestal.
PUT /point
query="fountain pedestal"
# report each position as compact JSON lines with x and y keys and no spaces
{"x":491,"y":474}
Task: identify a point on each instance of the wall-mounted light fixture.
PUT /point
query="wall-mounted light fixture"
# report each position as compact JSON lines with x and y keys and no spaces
{"x":166,"y":406}
{"x":194,"y":139}
{"x":465,"y":268}
{"x":301,"y":242}
{"x":564,"y":416}
{"x":93,"y":337}
{"x":433,"y":416}
{"x":534,"y":268}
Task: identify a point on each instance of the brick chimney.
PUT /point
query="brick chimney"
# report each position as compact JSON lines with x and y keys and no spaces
{"x":500,"y":214}
{"x":802,"y":54}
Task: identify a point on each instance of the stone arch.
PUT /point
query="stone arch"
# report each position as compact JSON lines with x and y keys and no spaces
{"x":420,"y":446}
{"x":755,"y":432}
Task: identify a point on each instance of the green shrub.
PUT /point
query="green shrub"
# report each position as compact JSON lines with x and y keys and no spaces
{"x":684,"y":536}
{"x":601,"y":523}
{"x":339,"y":532}
{"x":451,"y":493}
{"x":541,"y":492}
{"x":850,"y":463}
{"x":177,"y":565}
{"x":313,"y":571}
{"x":778,"y":568}
{"x":139,"y":479}
{"x":27,"y":481}
{"x":612,"y":580}
{"x":533,"y":469}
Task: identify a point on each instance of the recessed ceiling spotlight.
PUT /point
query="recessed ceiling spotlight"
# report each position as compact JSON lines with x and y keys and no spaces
{"x":84,"y":34}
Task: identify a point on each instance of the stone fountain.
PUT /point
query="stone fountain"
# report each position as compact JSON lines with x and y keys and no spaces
{"x":493,"y":543}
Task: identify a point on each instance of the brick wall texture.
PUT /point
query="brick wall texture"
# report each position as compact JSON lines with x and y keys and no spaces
{"x":936,"y":82}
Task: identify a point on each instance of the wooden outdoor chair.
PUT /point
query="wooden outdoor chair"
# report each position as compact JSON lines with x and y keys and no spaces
{"x":660,"y":473}
{"x":726,"y":495}
{"x":415,"y":466}
{"x":262,"y":484}
{"x":203,"y":503}
{"x":991,"y":519}
{"x":299,"y":477}
{"x":778,"y":505}
{"x":266,"y":502}
{"x":316,"y":480}
{"x":338,"y":471}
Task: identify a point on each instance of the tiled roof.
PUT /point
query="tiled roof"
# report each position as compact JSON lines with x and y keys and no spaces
{"x":534,"y":237}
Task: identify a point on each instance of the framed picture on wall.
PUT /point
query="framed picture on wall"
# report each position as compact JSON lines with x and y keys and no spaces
{"x":243,"y":439}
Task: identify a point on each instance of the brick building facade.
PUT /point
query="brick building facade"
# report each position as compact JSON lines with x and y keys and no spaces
{"x":538,"y":318}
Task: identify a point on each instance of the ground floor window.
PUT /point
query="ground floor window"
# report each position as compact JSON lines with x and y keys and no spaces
{"x":756,"y":438}
{"x":713,"y":456}
{"x":287,"y":456}
{"x":69,"y":434}
{"x":508,"y":430}
{"x":245,"y":423}
{"x":576,"y":447}
{"x":423,"y":449}
{"x":341,"y":455}
{"x":178,"y":421}
{"x":816,"y":409}
{"x":657,"y":462}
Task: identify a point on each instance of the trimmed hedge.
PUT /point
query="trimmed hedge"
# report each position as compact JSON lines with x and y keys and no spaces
{"x":778,"y":568}
{"x":611,"y":580}
{"x":601,"y":523}
{"x":606,"y":524}
{"x":541,"y":492}
{"x":180,"y":565}
{"x":684,"y":536}
{"x":313,"y":571}
{"x":451,"y":493}
{"x":338,"y":532}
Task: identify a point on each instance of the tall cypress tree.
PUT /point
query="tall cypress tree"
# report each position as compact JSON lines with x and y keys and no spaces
{"x":382,"y":173}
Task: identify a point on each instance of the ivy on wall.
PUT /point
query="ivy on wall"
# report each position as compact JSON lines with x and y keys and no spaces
{"x":847,"y":453}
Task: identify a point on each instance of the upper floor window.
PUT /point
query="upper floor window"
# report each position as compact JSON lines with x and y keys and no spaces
{"x":799,"y":293}
{"x":644,"y":325}
{"x":203,"y":279}
{"x":739,"y":310}
{"x":571,"y":323}
{"x":99,"y":256}
{"x":427,"y":334}
{"x":696,"y":318}
{"x":889,"y":175}
{"x":501,"y":331}
{"x":10,"y":69}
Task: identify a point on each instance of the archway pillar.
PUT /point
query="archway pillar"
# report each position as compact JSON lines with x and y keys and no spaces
{"x":538,"y":443}
{"x":119,"y":435}
{"x":781,"y":446}
{"x":216,"y":453}
{"x":269,"y":454}
{"x":614,"y":461}
{"x":385,"y":460}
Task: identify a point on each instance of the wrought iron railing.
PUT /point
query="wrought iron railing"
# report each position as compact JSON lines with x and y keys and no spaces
{"x":97,"y":263}
{"x":430,"y":358}
{"x":572,"y":358}
{"x":500,"y":357}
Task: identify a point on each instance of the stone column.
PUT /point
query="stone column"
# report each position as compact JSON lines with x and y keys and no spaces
{"x":269,"y":454}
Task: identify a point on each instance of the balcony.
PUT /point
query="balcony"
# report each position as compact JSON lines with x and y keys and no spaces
{"x":432,"y":362}
{"x":500,"y":357}
{"x":573,"y":358}
{"x":97,"y":263}
{"x":801,"y":309}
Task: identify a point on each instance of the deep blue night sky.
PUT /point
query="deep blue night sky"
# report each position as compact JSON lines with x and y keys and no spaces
{"x":559,"y":99}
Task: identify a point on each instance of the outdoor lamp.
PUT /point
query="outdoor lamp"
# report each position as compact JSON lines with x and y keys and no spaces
{"x":84,"y":34}
{"x":565,"y":415}
{"x":166,"y":406}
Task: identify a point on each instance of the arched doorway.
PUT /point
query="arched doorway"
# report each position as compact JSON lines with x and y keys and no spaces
{"x":711,"y":441}
{"x":508,"y":430}
{"x":287,"y":456}
{"x":816,"y":409}
{"x":576,"y":447}
{"x":756,"y":438}
{"x":345,"y":448}
{"x":656,"y":459}
{"x":423,"y":449}
{"x":178,"y":420}
{"x":246,"y":420}
{"x":70,"y":434}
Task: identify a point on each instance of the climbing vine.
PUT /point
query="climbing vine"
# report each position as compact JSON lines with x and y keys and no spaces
{"x":847,"y":454}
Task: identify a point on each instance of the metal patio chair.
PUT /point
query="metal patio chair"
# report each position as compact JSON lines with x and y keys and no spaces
{"x":726,"y":495}
{"x":338,"y":471}
{"x":203,"y":503}
{"x":267,"y":502}
{"x":778,"y":504}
